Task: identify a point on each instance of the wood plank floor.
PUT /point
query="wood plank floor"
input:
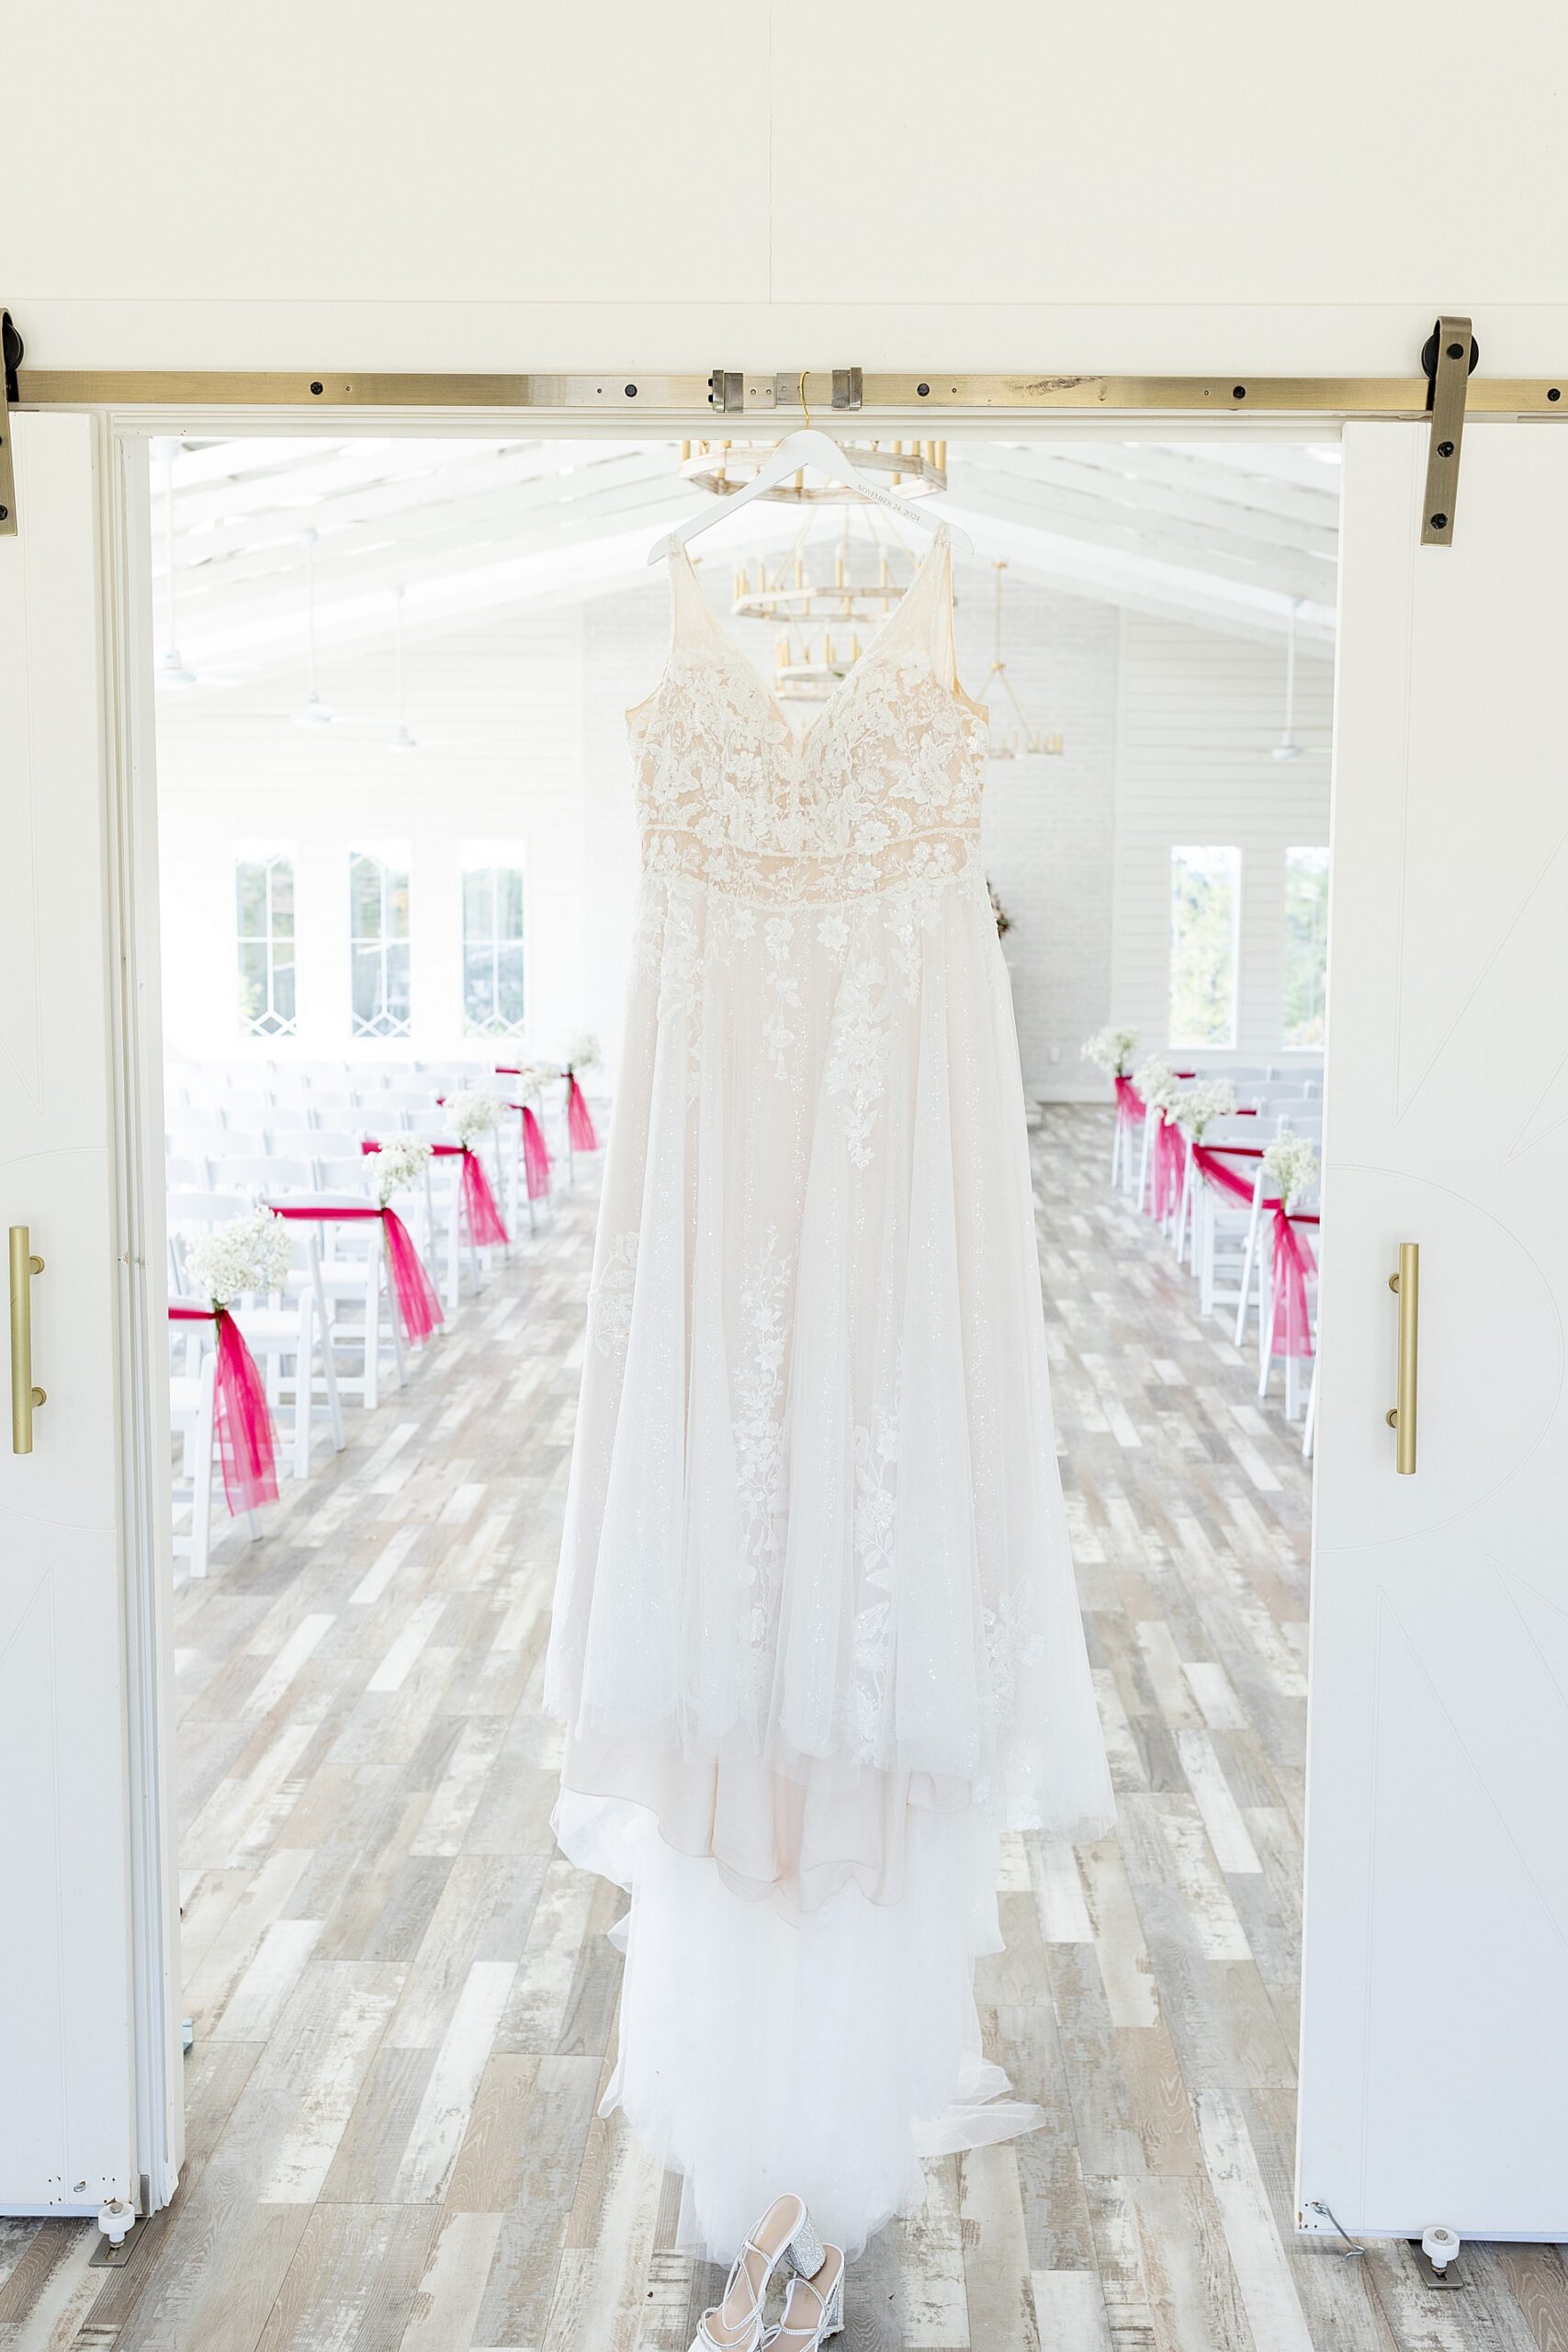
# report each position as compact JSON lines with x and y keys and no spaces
{"x":404,"y":2000}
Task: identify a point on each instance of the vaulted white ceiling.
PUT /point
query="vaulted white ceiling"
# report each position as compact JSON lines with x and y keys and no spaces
{"x":1233,"y":534}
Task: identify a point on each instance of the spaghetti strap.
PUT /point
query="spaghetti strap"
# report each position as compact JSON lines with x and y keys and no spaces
{"x":924,"y":616}
{"x":688,"y":605}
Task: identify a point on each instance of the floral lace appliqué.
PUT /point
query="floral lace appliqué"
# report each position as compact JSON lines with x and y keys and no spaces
{"x":884,"y":787}
{"x":758,"y":1431}
{"x":610,"y":1299}
{"x":1013,"y":1639}
{"x":784,"y":988}
{"x":857,"y":1052}
{"x":876,"y":1511}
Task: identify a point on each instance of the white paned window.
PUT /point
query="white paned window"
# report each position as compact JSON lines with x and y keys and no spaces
{"x":264,"y":938}
{"x":492,"y":938}
{"x":1306,"y":944}
{"x":1205,"y":912}
{"x":379,"y":941}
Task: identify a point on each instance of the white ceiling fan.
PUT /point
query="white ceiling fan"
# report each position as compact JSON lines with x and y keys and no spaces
{"x":401,"y":739}
{"x":313,"y":712}
{"x":1288,"y":747}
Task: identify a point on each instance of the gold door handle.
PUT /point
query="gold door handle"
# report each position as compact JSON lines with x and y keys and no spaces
{"x":25,"y":1398}
{"x":1407,"y":1285}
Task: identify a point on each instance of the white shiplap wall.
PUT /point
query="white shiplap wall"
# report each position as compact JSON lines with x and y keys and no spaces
{"x":1197,"y":714}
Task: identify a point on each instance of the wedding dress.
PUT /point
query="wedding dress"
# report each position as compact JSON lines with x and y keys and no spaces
{"x":817,"y":1640}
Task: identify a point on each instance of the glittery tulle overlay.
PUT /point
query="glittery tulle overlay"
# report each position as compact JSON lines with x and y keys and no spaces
{"x":816,"y":1633}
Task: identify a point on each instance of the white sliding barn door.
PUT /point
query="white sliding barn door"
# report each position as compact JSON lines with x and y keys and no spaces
{"x":67,"y":2103}
{"x":1435,"y":2026}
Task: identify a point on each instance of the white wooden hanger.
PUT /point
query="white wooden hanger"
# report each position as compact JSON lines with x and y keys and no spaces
{"x":808,"y":448}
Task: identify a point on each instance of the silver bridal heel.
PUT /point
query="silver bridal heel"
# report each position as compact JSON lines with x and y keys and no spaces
{"x":737,"y":2326}
{"x":813,"y":2309}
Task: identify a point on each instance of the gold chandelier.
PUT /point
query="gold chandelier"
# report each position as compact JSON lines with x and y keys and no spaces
{"x":1024,"y":742}
{"x":914,"y":469}
{"x":820,"y":599}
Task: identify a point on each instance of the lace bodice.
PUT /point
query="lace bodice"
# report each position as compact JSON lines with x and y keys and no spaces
{"x":883,"y":788}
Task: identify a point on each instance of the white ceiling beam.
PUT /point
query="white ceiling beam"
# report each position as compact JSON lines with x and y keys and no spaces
{"x":1071,"y":515}
{"x":1237,"y":504}
{"x":492,"y":530}
{"x":1309,"y":465}
{"x":501,"y":504}
{"x":1142,"y":582}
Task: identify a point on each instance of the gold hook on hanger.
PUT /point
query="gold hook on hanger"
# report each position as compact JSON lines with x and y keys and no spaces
{"x":803,"y":402}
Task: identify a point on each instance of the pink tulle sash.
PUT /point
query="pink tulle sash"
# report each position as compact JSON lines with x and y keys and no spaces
{"x":245,"y":1424}
{"x":1129,"y":1105}
{"x":1170,"y":1165}
{"x":418,"y":1306}
{"x":485,"y":1228}
{"x":1210,"y":1161}
{"x":535,"y":1155}
{"x":1293,"y":1261}
{"x":578,"y":1120}
{"x":417,"y":1301}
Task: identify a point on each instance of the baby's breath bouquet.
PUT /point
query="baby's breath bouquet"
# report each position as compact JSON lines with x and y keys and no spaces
{"x":1156,"y":1084}
{"x":530,"y":1081}
{"x":583,"y":1051}
{"x":472,"y":1114}
{"x":1196,"y":1106}
{"x":1290,"y":1168}
{"x":400,"y":1163}
{"x":1110,"y":1051}
{"x":250,"y":1253}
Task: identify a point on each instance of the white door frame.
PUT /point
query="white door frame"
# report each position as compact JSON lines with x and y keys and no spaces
{"x":136,"y":1044}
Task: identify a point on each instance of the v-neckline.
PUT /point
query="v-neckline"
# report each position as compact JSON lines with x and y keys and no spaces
{"x":774,"y":700}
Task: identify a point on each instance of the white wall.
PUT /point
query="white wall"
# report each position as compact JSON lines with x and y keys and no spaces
{"x":1197,"y":712}
{"x":1048,"y":824}
{"x":901,"y":183}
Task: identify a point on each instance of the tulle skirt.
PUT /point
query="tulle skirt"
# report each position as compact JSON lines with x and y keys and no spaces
{"x":823,"y":2054}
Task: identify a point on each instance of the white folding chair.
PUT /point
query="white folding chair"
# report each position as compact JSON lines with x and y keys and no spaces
{"x":200,"y":1140}
{"x":1252,"y":1274}
{"x":447,"y":1235}
{"x":1215,"y":1225}
{"x":289,"y":1338}
{"x":1118,"y":1148}
{"x":265,"y":1171}
{"x":350,"y":1173}
{"x":193,"y":1418}
{"x":347,"y":1267}
{"x":1267,"y":1309}
{"x":515,"y":1194}
{"x":191,"y":1210}
{"x":339,"y":1142}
